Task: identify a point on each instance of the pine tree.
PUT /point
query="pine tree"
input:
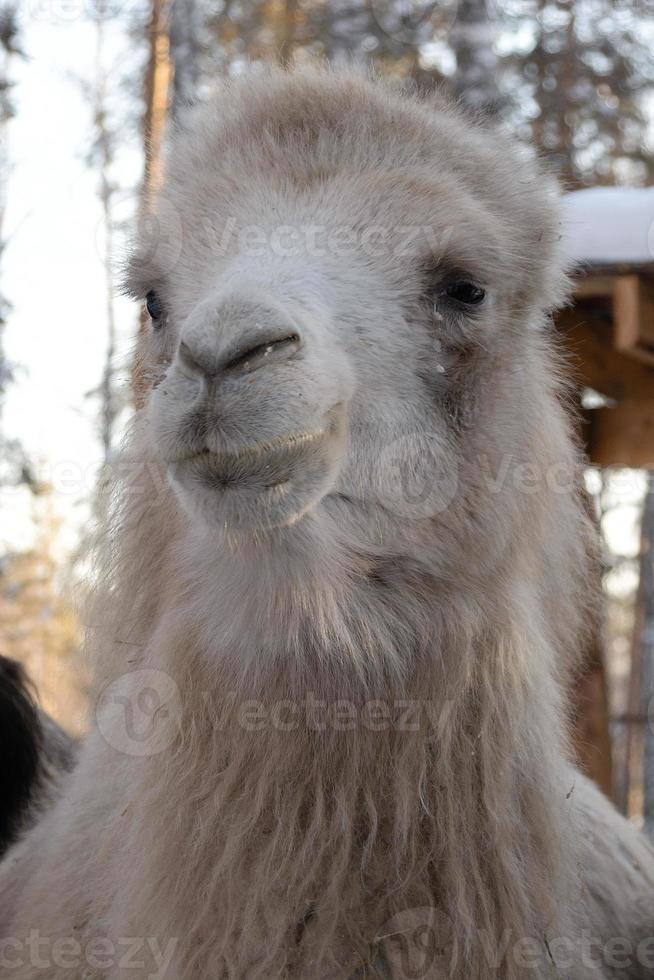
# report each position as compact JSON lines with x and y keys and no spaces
{"x":578,"y":72}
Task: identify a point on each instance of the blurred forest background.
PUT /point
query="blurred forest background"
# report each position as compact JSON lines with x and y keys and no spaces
{"x":576,"y":78}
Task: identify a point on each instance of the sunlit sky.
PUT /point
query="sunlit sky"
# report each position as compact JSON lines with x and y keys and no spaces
{"x":53,"y":274}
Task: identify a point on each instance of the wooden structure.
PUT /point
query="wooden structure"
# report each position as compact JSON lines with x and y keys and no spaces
{"x":608,"y":335}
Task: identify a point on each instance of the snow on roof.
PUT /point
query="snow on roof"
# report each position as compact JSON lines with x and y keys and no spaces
{"x":609,"y":225}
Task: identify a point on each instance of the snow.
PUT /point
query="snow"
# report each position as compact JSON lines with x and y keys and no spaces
{"x":609,"y":225}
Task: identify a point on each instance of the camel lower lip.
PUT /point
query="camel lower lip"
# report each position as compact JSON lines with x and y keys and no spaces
{"x":262,"y":467}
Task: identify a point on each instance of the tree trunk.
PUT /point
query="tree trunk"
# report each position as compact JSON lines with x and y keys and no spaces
{"x":186,"y":26}
{"x":105,"y":155}
{"x":472,"y":37}
{"x":158,"y":86}
{"x":158,"y":83}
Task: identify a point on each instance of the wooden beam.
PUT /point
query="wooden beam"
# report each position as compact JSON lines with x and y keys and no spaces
{"x":586,"y":272}
{"x":622,"y":435}
{"x":587,"y":335}
{"x":633,"y":305}
{"x":595,"y":285}
{"x":627,"y":297}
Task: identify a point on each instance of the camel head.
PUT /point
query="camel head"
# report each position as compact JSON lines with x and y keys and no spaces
{"x":346,"y":289}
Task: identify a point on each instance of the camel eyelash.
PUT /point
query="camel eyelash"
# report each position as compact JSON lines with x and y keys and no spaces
{"x":462,"y":295}
{"x":155,"y":308}
{"x":457,"y":289}
{"x":465,"y":292}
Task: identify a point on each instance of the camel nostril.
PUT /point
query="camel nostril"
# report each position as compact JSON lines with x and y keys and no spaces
{"x":207,"y":349}
{"x":198,"y":361}
{"x":270,"y":351}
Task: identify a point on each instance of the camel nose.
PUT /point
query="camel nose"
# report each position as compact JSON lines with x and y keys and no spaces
{"x":259,"y":349}
{"x":234,"y":335}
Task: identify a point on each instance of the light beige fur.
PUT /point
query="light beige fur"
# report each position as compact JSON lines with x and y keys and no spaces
{"x":361,"y":746}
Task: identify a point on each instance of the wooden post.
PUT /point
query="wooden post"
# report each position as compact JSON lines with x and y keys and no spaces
{"x":647,"y":654}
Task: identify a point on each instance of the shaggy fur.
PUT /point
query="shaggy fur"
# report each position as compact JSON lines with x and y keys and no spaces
{"x":353,"y":644}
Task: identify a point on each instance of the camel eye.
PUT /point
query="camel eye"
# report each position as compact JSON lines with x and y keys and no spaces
{"x":466,"y":292}
{"x":154,"y":307}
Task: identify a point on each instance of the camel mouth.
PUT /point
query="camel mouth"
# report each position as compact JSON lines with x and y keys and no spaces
{"x":262,"y":485}
{"x":262,"y":466}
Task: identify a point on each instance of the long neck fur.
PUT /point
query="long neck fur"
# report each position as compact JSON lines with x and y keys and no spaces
{"x":283,"y":846}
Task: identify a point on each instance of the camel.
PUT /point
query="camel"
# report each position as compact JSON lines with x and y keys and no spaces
{"x":345,"y":582}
